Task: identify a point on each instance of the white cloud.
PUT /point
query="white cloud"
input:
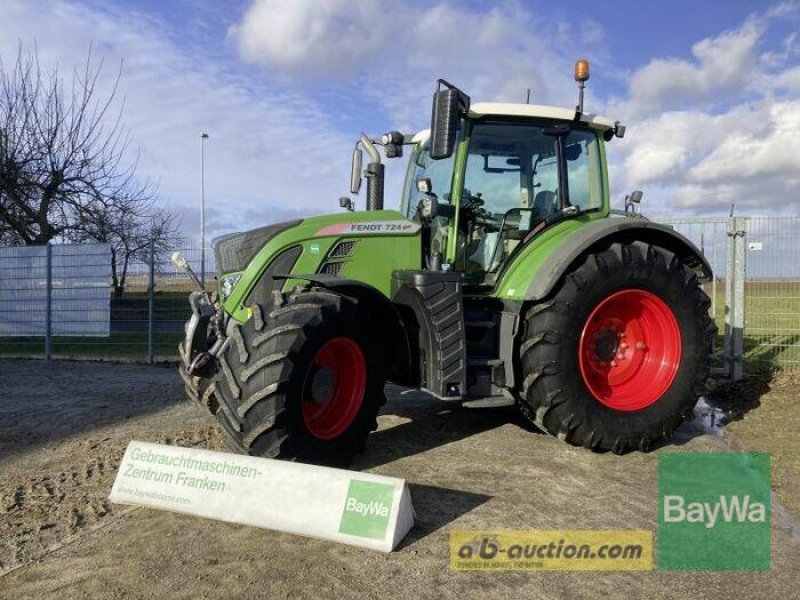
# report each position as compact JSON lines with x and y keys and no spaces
{"x":766,"y":144}
{"x":318,"y":37}
{"x":724,"y":64}
{"x":392,"y":52}
{"x":789,"y":80}
{"x":721,"y":128}
{"x":702,"y":163}
{"x":664,"y":146}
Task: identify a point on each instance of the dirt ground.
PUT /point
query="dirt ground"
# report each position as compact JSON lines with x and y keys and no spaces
{"x":64,"y":426}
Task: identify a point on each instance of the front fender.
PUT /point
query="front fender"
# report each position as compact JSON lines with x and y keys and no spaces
{"x":385,"y":320}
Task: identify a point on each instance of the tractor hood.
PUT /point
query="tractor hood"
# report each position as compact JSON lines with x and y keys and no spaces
{"x":363,"y":246}
{"x":234,"y":251}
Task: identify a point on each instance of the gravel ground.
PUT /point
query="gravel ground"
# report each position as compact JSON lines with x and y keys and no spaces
{"x":64,"y":427}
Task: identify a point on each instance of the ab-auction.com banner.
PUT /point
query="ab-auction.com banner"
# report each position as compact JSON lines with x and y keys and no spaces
{"x":577,"y":550}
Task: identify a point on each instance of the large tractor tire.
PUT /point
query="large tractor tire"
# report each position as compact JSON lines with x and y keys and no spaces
{"x":303,"y":381}
{"x":617,"y":356}
{"x":200,"y":389}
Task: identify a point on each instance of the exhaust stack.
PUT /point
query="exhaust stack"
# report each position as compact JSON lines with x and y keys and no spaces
{"x":374,"y":174}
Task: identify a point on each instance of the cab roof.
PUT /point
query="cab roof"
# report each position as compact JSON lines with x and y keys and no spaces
{"x":540,"y":111}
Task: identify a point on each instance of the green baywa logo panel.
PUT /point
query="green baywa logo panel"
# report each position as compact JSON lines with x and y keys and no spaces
{"x":714,"y":511}
{"x":367,"y":508}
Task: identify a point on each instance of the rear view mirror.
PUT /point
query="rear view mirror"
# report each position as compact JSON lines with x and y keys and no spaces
{"x":447,"y":106}
{"x":632,"y":199}
{"x":444,"y":124}
{"x":355,"y":171}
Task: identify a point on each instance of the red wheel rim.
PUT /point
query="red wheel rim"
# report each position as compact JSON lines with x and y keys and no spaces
{"x":630,"y":350}
{"x":334,"y":388}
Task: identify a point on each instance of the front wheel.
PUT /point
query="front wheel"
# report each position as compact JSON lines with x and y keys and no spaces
{"x":303,"y":381}
{"x":616,"y":358}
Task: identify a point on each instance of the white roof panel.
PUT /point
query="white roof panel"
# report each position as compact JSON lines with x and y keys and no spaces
{"x":485,"y":109}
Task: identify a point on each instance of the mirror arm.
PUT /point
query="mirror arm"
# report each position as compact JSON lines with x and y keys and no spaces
{"x":370,"y":148}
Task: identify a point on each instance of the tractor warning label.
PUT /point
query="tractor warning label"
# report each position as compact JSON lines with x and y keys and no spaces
{"x":373,"y":227}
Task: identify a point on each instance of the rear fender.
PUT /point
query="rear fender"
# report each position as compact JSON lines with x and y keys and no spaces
{"x":601,"y":234}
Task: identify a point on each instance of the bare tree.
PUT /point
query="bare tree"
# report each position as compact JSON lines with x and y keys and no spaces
{"x":62,"y":153}
{"x":133,"y":226}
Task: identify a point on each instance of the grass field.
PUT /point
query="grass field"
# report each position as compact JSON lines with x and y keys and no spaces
{"x":131,"y":346}
{"x":772,"y":324}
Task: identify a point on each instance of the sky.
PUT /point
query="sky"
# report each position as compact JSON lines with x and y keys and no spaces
{"x":709,"y":90}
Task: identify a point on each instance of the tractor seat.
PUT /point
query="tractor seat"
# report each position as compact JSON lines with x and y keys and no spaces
{"x":516,"y":224}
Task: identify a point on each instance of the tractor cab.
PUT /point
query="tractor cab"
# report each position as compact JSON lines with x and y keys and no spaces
{"x":514,"y":169}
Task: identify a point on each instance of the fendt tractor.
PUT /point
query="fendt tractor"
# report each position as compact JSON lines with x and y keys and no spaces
{"x":504,"y":278}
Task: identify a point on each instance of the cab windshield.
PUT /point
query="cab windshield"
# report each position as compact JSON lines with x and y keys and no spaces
{"x":440,"y":173}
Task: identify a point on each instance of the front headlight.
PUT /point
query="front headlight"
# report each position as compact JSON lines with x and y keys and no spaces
{"x":227,"y":285}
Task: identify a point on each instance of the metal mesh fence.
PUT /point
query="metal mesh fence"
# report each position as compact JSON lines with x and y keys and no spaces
{"x":89,"y":318}
{"x":755,"y":297}
{"x":758,"y":310}
{"x":149,"y":323}
{"x":772,"y":294}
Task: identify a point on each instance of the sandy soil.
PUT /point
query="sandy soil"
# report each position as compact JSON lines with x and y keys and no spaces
{"x":64,"y":426}
{"x":764,"y":416}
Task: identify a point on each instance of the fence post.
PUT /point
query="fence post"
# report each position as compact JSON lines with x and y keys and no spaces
{"x":740,"y":224}
{"x":715,"y":276}
{"x":734,"y":297}
{"x":48,"y":331}
{"x":151,"y":290}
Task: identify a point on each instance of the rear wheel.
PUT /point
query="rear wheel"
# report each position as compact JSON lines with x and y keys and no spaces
{"x":304,"y":381}
{"x":616,"y":358}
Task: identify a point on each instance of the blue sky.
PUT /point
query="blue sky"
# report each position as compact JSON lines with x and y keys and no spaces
{"x":710,"y":90}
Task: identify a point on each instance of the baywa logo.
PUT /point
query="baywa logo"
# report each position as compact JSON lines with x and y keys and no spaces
{"x":366,"y":509}
{"x":729,"y":508}
{"x":714,"y":511}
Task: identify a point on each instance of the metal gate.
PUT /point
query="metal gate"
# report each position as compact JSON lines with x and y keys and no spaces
{"x":755,"y":292}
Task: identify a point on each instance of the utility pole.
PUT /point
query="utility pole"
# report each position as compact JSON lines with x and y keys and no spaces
{"x":203,"y":138}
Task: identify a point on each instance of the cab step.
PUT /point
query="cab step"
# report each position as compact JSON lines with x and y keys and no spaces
{"x":492,"y":402}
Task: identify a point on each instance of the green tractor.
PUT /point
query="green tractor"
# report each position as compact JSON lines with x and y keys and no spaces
{"x":503,"y":279}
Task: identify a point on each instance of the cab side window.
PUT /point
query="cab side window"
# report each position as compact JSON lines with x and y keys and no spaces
{"x":582,"y":151}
